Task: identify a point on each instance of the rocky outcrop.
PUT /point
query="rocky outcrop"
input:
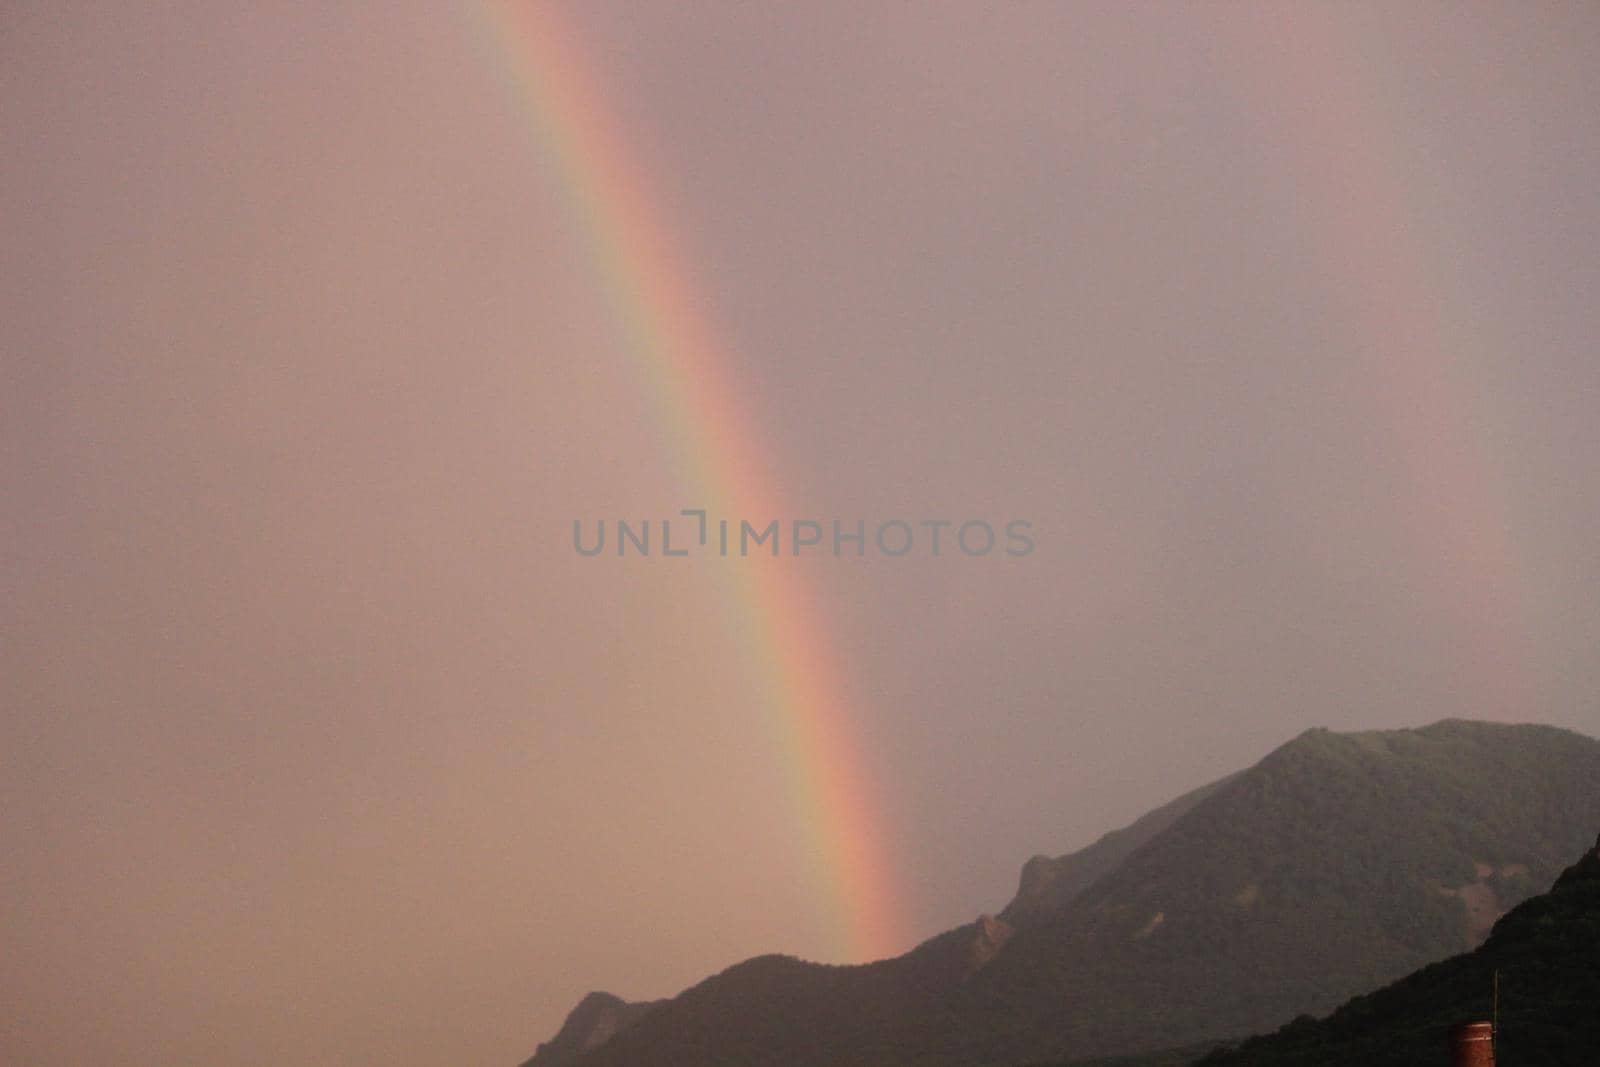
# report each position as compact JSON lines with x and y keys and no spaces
{"x":597,"y":1019}
{"x":989,"y":937}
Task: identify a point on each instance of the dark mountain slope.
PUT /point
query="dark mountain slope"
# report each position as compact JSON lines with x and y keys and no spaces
{"x":1048,"y":886}
{"x":1547,"y":951}
{"x":776,"y":1011}
{"x":855,"y":1000}
{"x":597,"y":1019}
{"x":1338,"y":863}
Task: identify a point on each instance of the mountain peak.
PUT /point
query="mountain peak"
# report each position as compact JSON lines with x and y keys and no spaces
{"x":1336,"y":864}
{"x":1444,"y":736}
{"x":1339,"y":862}
{"x":598,"y":1017}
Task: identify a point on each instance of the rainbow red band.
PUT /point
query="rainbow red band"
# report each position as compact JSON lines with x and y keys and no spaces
{"x":775,"y":616}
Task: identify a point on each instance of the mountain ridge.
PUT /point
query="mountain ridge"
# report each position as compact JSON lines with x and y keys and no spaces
{"x":1049,"y":884}
{"x":1336,"y":863}
{"x":1330,"y":867}
{"x":596,"y":1019}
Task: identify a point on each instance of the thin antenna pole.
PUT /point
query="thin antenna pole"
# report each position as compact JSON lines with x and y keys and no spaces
{"x":1494,"y":1035}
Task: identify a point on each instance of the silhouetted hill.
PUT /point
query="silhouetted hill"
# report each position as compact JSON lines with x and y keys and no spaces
{"x":777,"y":1010}
{"x":1547,"y":952}
{"x":597,"y":1019}
{"x":1336,"y":864}
{"x":1048,"y":886}
{"x":889,"y":994}
{"x":1176,"y":1057}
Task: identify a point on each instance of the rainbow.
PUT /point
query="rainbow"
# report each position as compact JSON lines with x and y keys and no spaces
{"x":666,"y":329}
{"x":1367,"y":220}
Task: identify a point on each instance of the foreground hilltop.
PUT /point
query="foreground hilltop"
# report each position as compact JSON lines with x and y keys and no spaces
{"x":1338,"y":863}
{"x":1547,"y":955}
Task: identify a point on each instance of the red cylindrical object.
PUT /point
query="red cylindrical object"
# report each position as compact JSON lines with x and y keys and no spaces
{"x":1472,"y":1045}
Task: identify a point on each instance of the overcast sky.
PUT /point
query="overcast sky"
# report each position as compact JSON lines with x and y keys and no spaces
{"x":320,"y":744}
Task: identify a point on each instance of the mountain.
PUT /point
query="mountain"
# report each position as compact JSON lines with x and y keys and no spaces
{"x":1049,"y":885}
{"x":597,"y":1019}
{"x":1172,"y":1057}
{"x":772,"y":1011}
{"x":1338,"y":863}
{"x":1547,"y":955}
{"x":857,"y":1002}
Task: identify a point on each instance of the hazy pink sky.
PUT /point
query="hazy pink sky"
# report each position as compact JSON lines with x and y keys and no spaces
{"x":318,"y":742}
